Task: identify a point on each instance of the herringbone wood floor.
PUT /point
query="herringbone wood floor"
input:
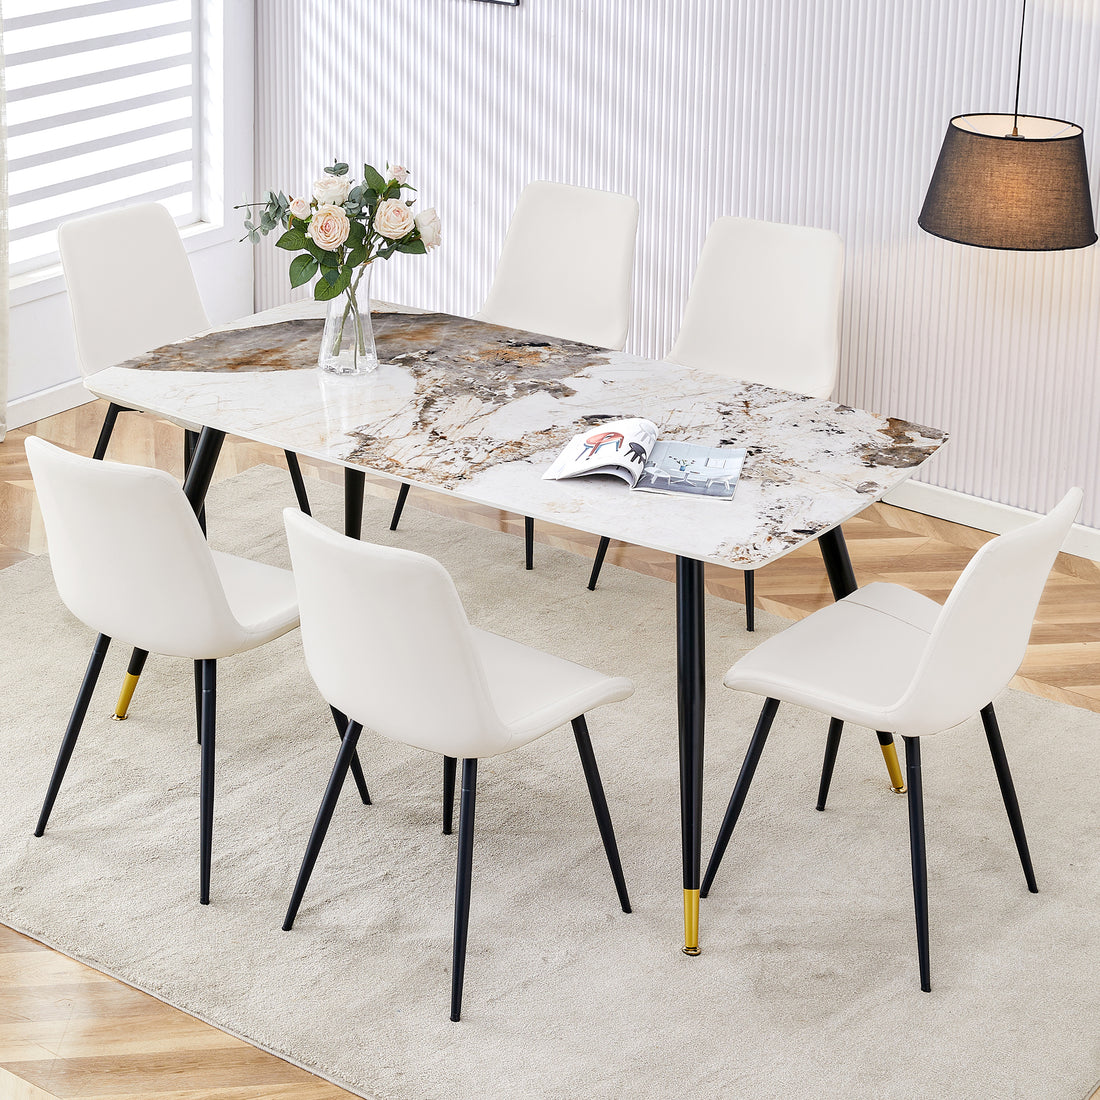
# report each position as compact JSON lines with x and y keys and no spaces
{"x":68,"y":1032}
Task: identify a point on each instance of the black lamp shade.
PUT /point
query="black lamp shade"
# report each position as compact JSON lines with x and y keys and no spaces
{"x":995,"y":190}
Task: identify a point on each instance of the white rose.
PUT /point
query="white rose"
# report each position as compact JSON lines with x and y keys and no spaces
{"x":331,"y":190}
{"x":399,"y":173}
{"x":329,"y":227}
{"x":393,"y":219}
{"x":427,"y":221}
{"x":300,"y":208}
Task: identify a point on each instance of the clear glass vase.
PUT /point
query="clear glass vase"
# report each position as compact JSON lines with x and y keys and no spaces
{"x":347,"y":343}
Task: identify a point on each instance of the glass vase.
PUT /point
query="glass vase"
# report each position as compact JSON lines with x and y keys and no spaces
{"x":347,"y":343}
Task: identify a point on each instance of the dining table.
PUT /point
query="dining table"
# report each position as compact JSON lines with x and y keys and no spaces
{"x":462,"y":407}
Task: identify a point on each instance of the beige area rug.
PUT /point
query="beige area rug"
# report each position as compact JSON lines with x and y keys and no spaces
{"x":807,"y":985}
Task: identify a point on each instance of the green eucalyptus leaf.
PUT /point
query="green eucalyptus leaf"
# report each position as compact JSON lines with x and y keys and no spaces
{"x":338,"y":169}
{"x":302,"y":269}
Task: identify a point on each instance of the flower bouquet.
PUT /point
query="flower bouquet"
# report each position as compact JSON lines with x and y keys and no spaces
{"x":338,"y":233}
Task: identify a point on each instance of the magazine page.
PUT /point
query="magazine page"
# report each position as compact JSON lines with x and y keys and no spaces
{"x":689,"y":468}
{"x":619,"y":448}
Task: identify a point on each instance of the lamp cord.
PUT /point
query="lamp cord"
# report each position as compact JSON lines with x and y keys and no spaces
{"x":1019,"y":67}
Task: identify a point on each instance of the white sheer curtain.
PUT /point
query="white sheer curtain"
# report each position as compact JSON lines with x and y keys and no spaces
{"x":3,"y":245}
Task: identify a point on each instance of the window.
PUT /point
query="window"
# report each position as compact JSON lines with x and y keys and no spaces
{"x":102,"y":112}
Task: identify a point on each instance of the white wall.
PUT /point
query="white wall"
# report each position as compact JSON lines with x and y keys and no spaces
{"x":821,"y":112}
{"x":44,"y":376}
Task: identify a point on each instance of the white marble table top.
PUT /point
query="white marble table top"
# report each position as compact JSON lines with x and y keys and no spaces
{"x":469,"y":408}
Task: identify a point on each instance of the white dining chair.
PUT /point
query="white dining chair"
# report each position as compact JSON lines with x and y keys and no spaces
{"x":543,"y":285}
{"x":118,"y":316}
{"x":764,"y":307}
{"x":895,"y":661}
{"x":130,"y":562}
{"x":387,"y":642}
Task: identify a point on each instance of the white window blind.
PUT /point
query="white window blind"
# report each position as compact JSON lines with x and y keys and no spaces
{"x":102,"y":112}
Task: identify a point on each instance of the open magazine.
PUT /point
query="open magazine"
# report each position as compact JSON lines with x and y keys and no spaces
{"x":629,"y":449}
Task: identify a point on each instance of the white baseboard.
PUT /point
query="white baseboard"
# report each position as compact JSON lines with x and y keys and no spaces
{"x":985,"y":515}
{"x":37,"y":406}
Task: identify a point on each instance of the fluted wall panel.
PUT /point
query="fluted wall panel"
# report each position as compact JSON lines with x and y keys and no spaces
{"x":816,"y":112}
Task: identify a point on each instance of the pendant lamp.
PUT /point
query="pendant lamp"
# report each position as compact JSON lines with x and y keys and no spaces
{"x":1011,"y":181}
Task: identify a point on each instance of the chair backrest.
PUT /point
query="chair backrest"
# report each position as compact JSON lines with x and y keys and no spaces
{"x":128,"y":556}
{"x":567,"y":265}
{"x":130,"y":284}
{"x":765,"y":306}
{"x":387,"y":642}
{"x":982,"y":633}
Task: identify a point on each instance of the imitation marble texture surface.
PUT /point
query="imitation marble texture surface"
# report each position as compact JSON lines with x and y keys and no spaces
{"x":462,"y":406}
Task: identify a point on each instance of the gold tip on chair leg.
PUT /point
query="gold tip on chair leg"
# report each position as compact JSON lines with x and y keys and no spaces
{"x":897,"y":780}
{"x":124,"y":697}
{"x":691,"y":922}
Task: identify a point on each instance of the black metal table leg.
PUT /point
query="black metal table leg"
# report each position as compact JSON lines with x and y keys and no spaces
{"x":200,"y":471}
{"x":842,"y":580}
{"x":838,"y":566}
{"x":597,"y":562}
{"x":355,"y":483}
{"x":691,"y":698}
{"x":399,"y":505}
{"x":108,"y":427}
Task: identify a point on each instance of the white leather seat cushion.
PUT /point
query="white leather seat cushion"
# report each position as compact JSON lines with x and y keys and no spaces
{"x":262,"y":597}
{"x":852,"y":660}
{"x":534,"y":692}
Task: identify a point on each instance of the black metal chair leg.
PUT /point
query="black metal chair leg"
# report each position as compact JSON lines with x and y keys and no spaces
{"x":1008,"y":792}
{"x":399,"y":505}
{"x":206,"y":782}
{"x":597,"y":563}
{"x":740,"y":790}
{"x":356,"y":768}
{"x":324,"y":816}
{"x":919,"y":858}
{"x":449,"y":769}
{"x":105,"y":432}
{"x":836,"y":728}
{"x":599,"y":804}
{"x":297,"y":481}
{"x":355,"y":484}
{"x":198,"y":701}
{"x":529,"y":542}
{"x":462,"y":883}
{"x":750,"y":600}
{"x":72,"y":731}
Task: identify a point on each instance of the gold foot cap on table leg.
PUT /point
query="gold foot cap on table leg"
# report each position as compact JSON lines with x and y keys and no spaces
{"x":691,"y":922}
{"x":899,"y":790}
{"x":124,"y":697}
